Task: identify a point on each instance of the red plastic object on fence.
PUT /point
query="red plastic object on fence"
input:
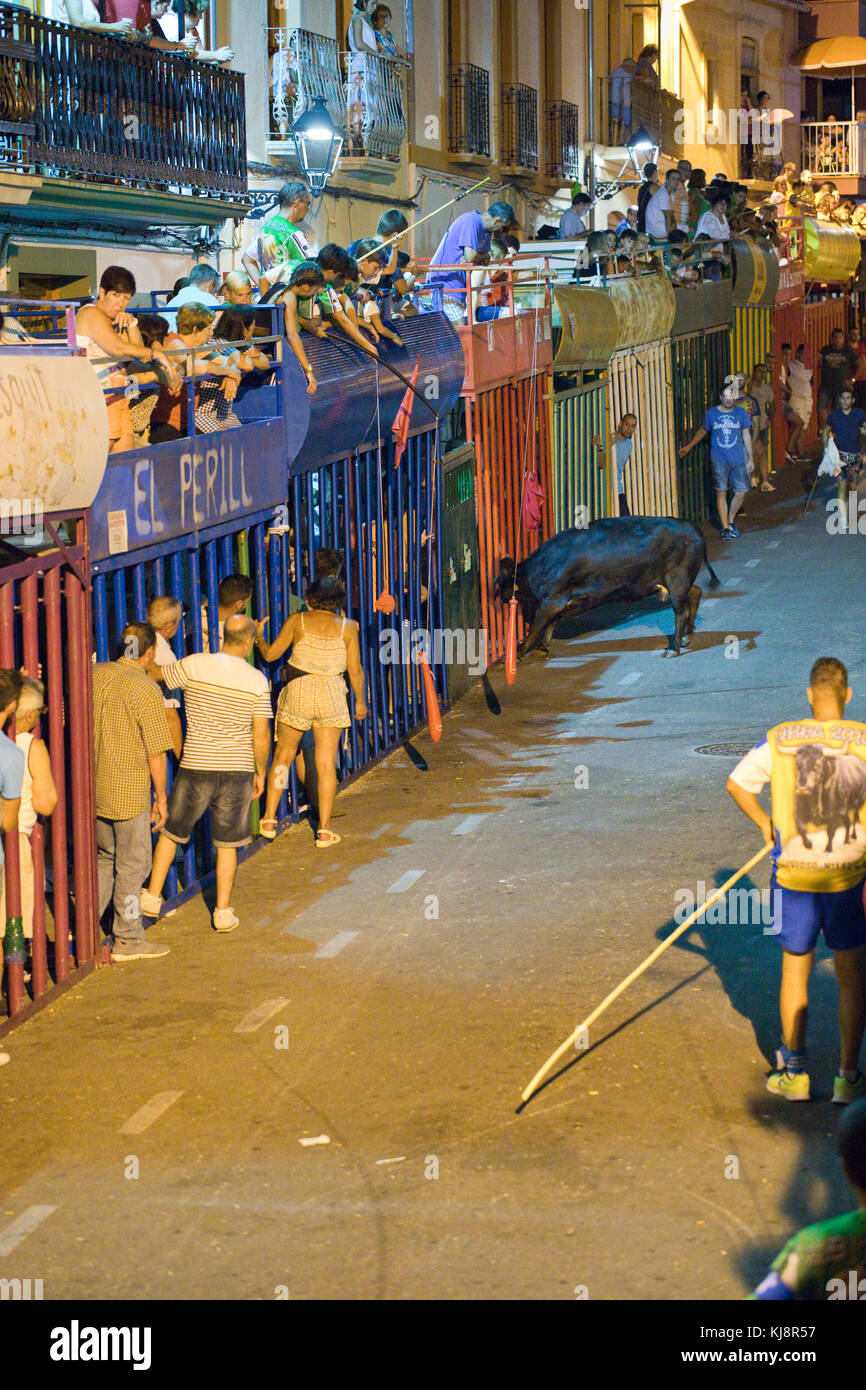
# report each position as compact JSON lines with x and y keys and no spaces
{"x":511,"y":643}
{"x":431,"y":700}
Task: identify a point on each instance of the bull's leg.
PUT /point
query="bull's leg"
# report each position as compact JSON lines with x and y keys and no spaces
{"x":543,"y":624}
{"x":800,"y":822}
{"x":679,"y":603}
{"x":544,"y":644}
{"x":693,"y":599}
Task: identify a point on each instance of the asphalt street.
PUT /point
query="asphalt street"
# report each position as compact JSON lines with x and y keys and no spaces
{"x":325,"y":1104}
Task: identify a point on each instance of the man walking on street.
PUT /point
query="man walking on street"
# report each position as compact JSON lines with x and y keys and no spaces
{"x":730,"y":429}
{"x":838,"y":365}
{"x":817,"y":773}
{"x":130,"y":741}
{"x":224,"y":762}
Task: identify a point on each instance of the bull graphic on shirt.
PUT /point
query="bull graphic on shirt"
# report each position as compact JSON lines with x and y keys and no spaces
{"x":829,"y":791}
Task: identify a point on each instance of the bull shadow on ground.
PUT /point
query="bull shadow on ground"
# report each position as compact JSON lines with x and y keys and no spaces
{"x":618,"y":618}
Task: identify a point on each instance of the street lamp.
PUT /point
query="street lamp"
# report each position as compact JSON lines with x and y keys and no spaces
{"x":318,"y":143}
{"x":642,"y":143}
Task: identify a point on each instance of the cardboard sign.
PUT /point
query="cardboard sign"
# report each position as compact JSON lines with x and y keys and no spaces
{"x":53,"y":431}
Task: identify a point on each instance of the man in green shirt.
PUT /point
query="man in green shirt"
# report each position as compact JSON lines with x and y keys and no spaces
{"x":827,"y":1261}
{"x":280,"y":238}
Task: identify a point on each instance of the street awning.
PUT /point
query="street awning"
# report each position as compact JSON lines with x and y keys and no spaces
{"x":832,"y":55}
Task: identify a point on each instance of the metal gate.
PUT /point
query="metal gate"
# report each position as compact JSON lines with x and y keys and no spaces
{"x":45,"y":629}
{"x":640,"y":383}
{"x":789,"y":326}
{"x":511,"y":430}
{"x":700,"y":363}
{"x":339,"y":505}
{"x":461,"y":586}
{"x":751,"y":337}
{"x":821,"y":316}
{"x":579,"y":415}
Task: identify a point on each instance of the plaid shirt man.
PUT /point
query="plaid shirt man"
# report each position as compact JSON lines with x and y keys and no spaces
{"x":129,"y":726}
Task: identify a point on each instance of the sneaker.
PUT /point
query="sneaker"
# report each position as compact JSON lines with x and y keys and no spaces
{"x":767,"y":486}
{"x":224,"y":920}
{"x":149,"y":906}
{"x":791,"y":1085}
{"x":727,"y":535}
{"x":138,"y":950}
{"x":732,"y":531}
{"x":844,"y":1091}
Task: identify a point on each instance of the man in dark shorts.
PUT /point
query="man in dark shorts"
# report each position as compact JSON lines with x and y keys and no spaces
{"x":224,"y":761}
{"x":730,"y":429}
{"x":847,"y":424}
{"x":817,"y":770}
{"x":838,"y":365}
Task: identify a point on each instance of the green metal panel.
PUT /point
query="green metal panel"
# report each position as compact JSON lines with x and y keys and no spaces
{"x":461,"y":592}
{"x":750,"y":337}
{"x":578,"y":416}
{"x":700,"y":364}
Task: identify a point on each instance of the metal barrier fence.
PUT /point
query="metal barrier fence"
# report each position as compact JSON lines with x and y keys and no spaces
{"x":788,"y":327}
{"x":579,"y":416}
{"x":640,"y":384}
{"x":751,"y":337}
{"x":821,"y":316}
{"x":44,"y":627}
{"x":340,"y":505}
{"x":700,"y":363}
{"x":510,"y":427}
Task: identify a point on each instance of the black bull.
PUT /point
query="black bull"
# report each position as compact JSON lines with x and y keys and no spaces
{"x":617,"y":558}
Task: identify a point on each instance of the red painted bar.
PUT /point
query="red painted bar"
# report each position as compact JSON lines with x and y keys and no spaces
{"x":29,"y":593}
{"x":11,"y":868}
{"x":54,"y":687}
{"x":77,"y":697}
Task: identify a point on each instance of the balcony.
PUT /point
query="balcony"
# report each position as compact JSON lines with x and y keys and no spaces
{"x":519,"y":129}
{"x":88,"y":106}
{"x":563,"y":143}
{"x":367,"y":104}
{"x":835,"y":150}
{"x":469,"y":113}
{"x":635,"y":104}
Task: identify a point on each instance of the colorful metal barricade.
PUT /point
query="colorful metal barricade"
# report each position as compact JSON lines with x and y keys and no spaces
{"x":582,"y":491}
{"x":641,"y":384}
{"x":700,"y":364}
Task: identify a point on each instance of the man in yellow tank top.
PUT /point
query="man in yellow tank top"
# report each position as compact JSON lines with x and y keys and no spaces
{"x":816,"y":768}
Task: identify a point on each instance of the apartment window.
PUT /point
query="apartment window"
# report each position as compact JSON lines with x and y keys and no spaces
{"x":749,"y":67}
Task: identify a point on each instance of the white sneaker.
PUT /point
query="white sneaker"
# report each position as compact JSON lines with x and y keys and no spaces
{"x":224,"y":920}
{"x":148,"y":905}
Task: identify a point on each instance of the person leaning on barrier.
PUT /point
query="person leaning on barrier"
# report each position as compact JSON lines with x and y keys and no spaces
{"x":237,"y":288}
{"x":164,"y":614}
{"x":130,"y":742}
{"x":38,"y":793}
{"x":212,"y":398}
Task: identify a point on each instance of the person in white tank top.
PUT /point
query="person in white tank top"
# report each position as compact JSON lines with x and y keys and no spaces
{"x":314,"y":697}
{"x":38,"y":793}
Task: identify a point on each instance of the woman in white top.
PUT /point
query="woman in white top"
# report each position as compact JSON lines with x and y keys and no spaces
{"x":38,"y":793}
{"x":362,"y":44}
{"x":713,"y":223}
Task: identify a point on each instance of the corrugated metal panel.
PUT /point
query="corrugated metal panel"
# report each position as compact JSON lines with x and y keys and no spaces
{"x":820,"y":317}
{"x":700,"y":364}
{"x":751,"y":337}
{"x":578,"y":482}
{"x":589,"y":329}
{"x":831,"y":254}
{"x":640,"y":383}
{"x":756,"y":273}
{"x":645,"y":309}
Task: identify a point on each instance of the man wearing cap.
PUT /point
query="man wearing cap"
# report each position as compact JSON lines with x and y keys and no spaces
{"x":730,"y":430}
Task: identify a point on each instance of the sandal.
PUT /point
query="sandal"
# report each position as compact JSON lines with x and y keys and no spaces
{"x":331,"y":840}
{"x":268,"y":834}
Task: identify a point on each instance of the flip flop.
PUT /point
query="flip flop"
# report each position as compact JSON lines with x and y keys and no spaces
{"x":268,"y":834}
{"x":331,"y":840}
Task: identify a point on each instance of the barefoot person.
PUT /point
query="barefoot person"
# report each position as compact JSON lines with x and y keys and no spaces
{"x":817,"y":771}
{"x":314,"y":697}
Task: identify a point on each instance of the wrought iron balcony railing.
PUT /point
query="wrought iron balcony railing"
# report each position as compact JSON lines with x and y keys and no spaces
{"x":519,"y":126}
{"x":836,"y":149}
{"x":376,"y":117}
{"x":563,"y":144}
{"x":303,"y":66}
{"x":469,"y":110}
{"x":93,"y":106}
{"x":628,"y":105}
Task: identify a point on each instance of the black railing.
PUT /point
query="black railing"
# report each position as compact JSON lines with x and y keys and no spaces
{"x":563,"y":145}
{"x":469,"y":110}
{"x":93,"y":106}
{"x":519,"y":127}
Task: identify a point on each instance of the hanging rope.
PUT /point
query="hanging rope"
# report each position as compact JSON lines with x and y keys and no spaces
{"x":385,"y":601}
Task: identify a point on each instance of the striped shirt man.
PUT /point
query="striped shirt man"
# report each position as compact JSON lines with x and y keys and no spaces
{"x":222,"y":695}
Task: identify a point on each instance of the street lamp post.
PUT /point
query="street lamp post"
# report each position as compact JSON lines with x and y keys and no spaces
{"x":318,"y":143}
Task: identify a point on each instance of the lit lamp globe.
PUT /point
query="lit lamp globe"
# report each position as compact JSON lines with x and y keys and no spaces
{"x":318,"y":143}
{"x":642,"y":147}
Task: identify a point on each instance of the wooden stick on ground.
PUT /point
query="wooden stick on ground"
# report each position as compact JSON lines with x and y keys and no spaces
{"x":614,"y":994}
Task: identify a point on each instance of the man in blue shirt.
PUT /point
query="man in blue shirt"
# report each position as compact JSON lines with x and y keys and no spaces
{"x":11,"y":769}
{"x":622,"y":445}
{"x":467,"y":241}
{"x":730,"y":430}
{"x":847,"y":424}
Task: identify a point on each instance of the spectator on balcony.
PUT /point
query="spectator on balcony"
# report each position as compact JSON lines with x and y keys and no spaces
{"x":84,"y":14}
{"x":831,"y":148}
{"x":627,"y":223}
{"x":110,"y":336}
{"x":827,"y":200}
{"x":11,"y":332}
{"x":224,"y":761}
{"x":361,"y":40}
{"x":280,"y":239}
{"x":203,"y":284}
{"x":193,"y":13}
{"x":858,"y":219}
{"x":237,"y":325}
{"x":714,"y":222}
{"x":393,"y":278}
{"x":38,"y":794}
{"x":844,"y":212}
{"x":212,"y":399}
{"x":299,"y":299}
{"x":572,"y":223}
{"x":164,"y":613}
{"x":661,"y":209}
{"x":370,"y":259}
{"x":645,"y":192}
{"x":681,"y":197}
{"x":130,"y":742}
{"x":619,"y":100}
{"x":237,"y":288}
{"x":780,"y":191}
{"x":154,"y":330}
{"x":386,"y":44}
{"x":467,"y":242}
{"x":158,"y":39}
{"x":645,"y":68}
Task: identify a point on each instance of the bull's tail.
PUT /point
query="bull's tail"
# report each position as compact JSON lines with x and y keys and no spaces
{"x":503,"y":584}
{"x":715,"y":581}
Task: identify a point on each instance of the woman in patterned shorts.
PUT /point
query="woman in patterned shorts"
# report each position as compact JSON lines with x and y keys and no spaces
{"x":324,"y":647}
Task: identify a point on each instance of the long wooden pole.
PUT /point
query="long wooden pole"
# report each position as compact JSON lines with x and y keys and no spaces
{"x":614,"y":994}
{"x":435,"y":212}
